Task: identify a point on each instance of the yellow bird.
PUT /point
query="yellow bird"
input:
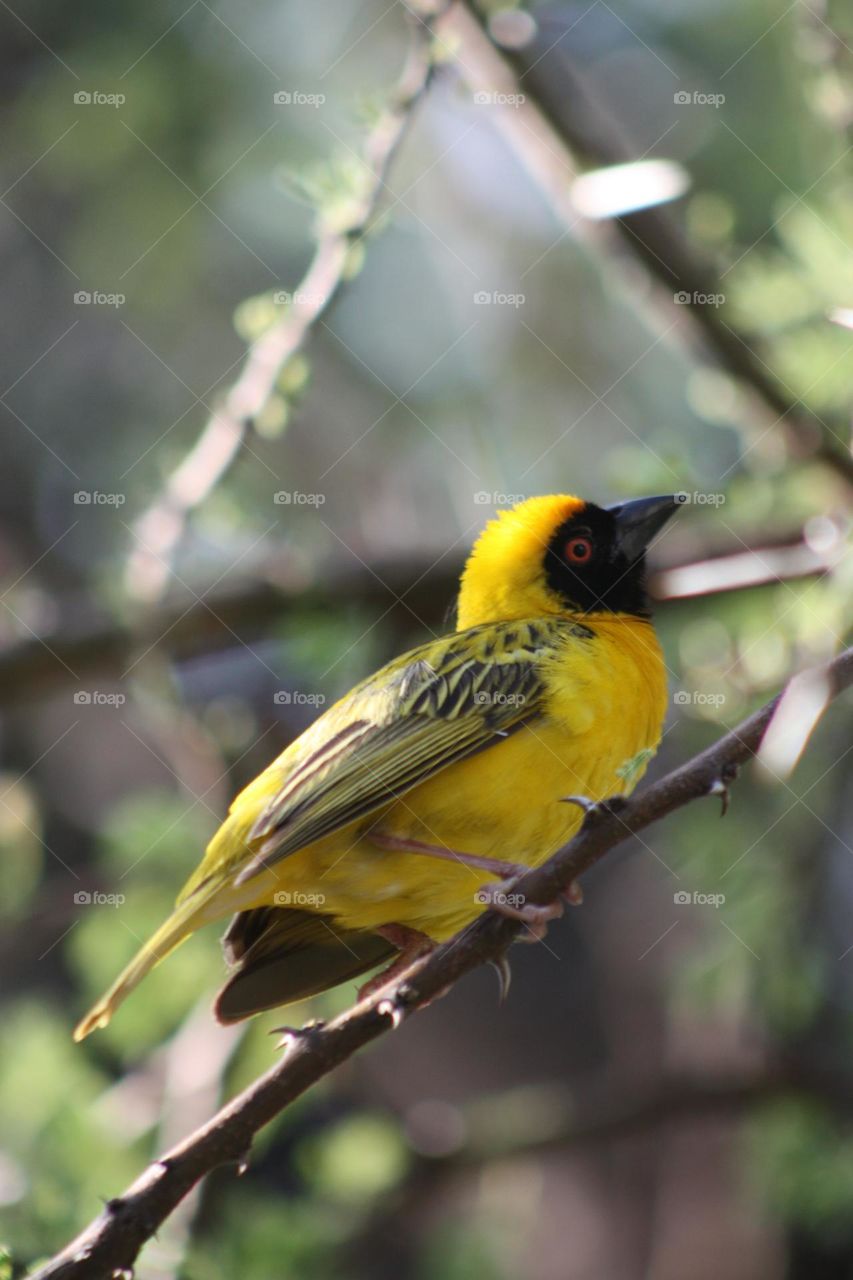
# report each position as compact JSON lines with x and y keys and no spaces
{"x":377,"y":832}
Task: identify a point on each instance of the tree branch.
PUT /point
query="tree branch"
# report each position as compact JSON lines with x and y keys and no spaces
{"x":112,"y":1242}
{"x":553,"y":82}
{"x":79,"y":645}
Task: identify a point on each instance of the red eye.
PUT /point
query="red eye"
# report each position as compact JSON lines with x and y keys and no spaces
{"x":578,"y":550}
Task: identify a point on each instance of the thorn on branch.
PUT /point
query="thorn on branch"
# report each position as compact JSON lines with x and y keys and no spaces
{"x":291,"y":1036}
{"x":720,"y":786}
{"x":393,"y":1009}
{"x":595,"y":810}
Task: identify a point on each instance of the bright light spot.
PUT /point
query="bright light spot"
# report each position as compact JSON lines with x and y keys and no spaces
{"x":624,"y":188}
{"x":13,"y":1182}
{"x":793,"y":721}
{"x":843,"y":316}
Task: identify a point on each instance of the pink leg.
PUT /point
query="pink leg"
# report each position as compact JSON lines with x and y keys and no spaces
{"x":399,"y":844}
{"x":506,"y":870}
{"x":501,"y":898}
{"x":411,"y":944}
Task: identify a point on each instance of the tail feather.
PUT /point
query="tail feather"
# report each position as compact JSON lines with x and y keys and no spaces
{"x":180,"y":924}
{"x":282,"y":954}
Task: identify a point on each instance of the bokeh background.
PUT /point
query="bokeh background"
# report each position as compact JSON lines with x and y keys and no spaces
{"x":667,"y":1091}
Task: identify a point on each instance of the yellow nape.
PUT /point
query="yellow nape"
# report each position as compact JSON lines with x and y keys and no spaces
{"x":504,"y":577}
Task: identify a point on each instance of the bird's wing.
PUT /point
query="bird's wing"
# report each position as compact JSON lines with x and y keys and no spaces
{"x":442,"y":702}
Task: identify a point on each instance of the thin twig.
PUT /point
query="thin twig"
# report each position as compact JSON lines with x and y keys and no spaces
{"x":112,"y":1242}
{"x":159,"y":529}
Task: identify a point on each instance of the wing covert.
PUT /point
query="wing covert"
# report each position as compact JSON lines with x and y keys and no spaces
{"x":443,"y":702}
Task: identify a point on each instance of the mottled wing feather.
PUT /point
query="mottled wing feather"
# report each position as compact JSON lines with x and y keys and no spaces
{"x":452,"y":698}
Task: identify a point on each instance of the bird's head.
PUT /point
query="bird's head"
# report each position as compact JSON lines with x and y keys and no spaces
{"x":561,"y":555}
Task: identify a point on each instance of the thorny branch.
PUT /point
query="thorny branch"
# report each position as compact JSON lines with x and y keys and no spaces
{"x":111,"y":1244}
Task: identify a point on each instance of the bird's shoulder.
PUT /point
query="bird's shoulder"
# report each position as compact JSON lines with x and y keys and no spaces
{"x":454,"y":675}
{"x":489,"y":674}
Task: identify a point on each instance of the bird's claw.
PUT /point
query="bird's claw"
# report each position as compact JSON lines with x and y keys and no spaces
{"x":501,"y":967}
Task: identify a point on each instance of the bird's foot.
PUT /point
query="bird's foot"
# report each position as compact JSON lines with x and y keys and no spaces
{"x":411,"y":943}
{"x":573,"y":894}
{"x":503,"y":898}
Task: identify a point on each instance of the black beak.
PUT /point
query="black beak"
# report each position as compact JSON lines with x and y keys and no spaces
{"x":638,"y":521}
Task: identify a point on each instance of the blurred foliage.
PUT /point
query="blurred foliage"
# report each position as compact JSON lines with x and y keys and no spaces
{"x":197,"y":200}
{"x":800,"y":1164}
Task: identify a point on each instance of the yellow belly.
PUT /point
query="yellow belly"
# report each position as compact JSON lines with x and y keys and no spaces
{"x":603,"y":725}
